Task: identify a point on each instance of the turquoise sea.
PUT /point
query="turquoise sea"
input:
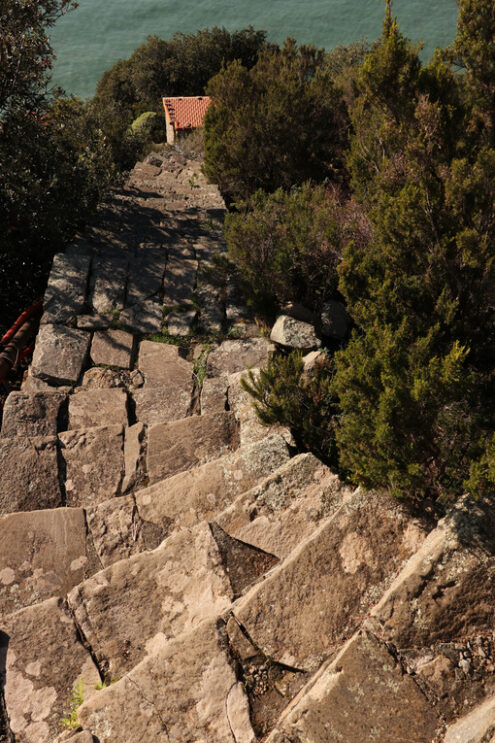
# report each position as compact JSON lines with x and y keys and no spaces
{"x":90,"y":39}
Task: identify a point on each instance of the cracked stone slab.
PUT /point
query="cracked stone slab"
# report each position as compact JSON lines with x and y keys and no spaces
{"x":65,"y":293}
{"x":44,"y":661}
{"x":35,"y":414}
{"x":238,"y":355}
{"x":124,"y":609}
{"x":363,"y":695}
{"x":184,"y":444}
{"x":42,"y":554}
{"x":352,"y":557}
{"x":94,"y":464}
{"x":60,"y":354}
{"x":112,"y":348}
{"x":145,"y":317}
{"x":179,"y":693}
{"x":97,"y":407}
{"x":286,"y":507}
{"x":162,"y":365}
{"x":180,"y":281}
{"x":30,"y":479}
{"x":109,"y":281}
{"x":201,"y":493}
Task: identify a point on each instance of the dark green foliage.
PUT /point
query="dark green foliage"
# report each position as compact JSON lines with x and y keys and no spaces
{"x":286,"y":395}
{"x":276,"y":125}
{"x":287,"y":245}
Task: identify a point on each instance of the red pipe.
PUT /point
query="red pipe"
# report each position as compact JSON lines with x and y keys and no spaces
{"x":35,"y":309}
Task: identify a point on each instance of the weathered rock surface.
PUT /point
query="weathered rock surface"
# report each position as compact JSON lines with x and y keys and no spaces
{"x":192,"y":674}
{"x":363,"y":695}
{"x":134,"y":451}
{"x":192,"y":575}
{"x":162,"y":365}
{"x":180,"y":323}
{"x":184,"y":444}
{"x":163,"y":404}
{"x":60,"y":354}
{"x":235,"y":356}
{"x":37,"y":414}
{"x":112,"y":348}
{"x":214,"y":394}
{"x":145,"y":317}
{"x":200,"y":494}
{"x":98,"y":378}
{"x":476,"y":727}
{"x":94,"y":464}
{"x":42,"y":554}
{"x":30,"y":479}
{"x":66,"y":290}
{"x":93,"y":408}
{"x":116,"y":531}
{"x":44,"y":661}
{"x":334,"y":320}
{"x":293,"y":333}
{"x":351,"y":557}
{"x":146,"y":274}
{"x":286,"y":507}
{"x":180,"y":281}
{"x":109,"y":281}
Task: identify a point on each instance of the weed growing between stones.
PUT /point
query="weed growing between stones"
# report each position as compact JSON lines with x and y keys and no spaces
{"x":76,"y":698}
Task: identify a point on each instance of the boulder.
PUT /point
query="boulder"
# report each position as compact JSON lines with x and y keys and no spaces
{"x":184,"y":444}
{"x":60,"y":354}
{"x":94,"y":464}
{"x":36,"y":414}
{"x":42,"y":554}
{"x":237,"y":355}
{"x":293,"y":333}
{"x":65,"y":293}
{"x":45,"y":661}
{"x":30,"y":478}
{"x":97,"y":407}
{"x":179,"y":693}
{"x":351,"y":557}
{"x":334,"y":320}
{"x":98,"y":378}
{"x":363,"y":695}
{"x":112,"y":348}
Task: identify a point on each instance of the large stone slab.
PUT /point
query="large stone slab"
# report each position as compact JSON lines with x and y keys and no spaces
{"x":180,"y":281}
{"x":164,"y":592}
{"x":336,"y":574}
{"x":180,"y":323}
{"x":286,"y":507}
{"x":162,"y":404}
{"x":60,"y":354}
{"x":237,"y":355}
{"x":201,"y":493}
{"x":65,"y":293}
{"x":162,"y":365}
{"x":186,"y":691}
{"x":363,"y":695}
{"x":36,"y":414}
{"x":30,"y":479}
{"x":293,"y":333}
{"x":44,"y":662}
{"x":94,"y":464}
{"x":146,"y":274}
{"x":184,"y":444}
{"x":145,"y":317}
{"x":42,"y":554}
{"x":438,"y":612}
{"x":93,"y":408}
{"x":214,"y":394}
{"x":112,"y":348}
{"x":109,"y":281}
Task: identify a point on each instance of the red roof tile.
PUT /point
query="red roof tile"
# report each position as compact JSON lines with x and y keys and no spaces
{"x":187,"y":112}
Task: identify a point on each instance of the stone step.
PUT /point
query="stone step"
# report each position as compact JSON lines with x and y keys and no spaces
{"x":184,"y":444}
{"x":112,"y":348}
{"x":60,"y":354}
{"x":303,"y":611}
{"x":185,"y":691}
{"x":194,"y":574}
{"x":128,"y":525}
{"x":34,"y":414}
{"x":362,"y":695}
{"x":30,"y":476}
{"x":438,"y":612}
{"x":286,"y":507}
{"x":235,"y":356}
{"x":66,"y":290}
{"x":91,"y":408}
{"x":44,"y":662}
{"x":43,"y":554}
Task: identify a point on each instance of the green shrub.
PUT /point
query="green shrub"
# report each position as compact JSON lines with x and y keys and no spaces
{"x":284,"y":394}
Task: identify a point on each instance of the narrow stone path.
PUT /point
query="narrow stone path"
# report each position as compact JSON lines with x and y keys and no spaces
{"x":173,"y":571}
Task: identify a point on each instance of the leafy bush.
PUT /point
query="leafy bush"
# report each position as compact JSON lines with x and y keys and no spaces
{"x":286,"y":395}
{"x":287,"y":245}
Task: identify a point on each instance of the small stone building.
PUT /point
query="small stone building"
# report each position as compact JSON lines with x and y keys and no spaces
{"x":184,"y":114}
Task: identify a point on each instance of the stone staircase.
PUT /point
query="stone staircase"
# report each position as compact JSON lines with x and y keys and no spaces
{"x":173,"y":571}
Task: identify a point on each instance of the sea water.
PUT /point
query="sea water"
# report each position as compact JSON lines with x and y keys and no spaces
{"x":92,"y":38}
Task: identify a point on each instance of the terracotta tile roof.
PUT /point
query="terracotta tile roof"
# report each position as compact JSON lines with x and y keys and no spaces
{"x":187,"y":112}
